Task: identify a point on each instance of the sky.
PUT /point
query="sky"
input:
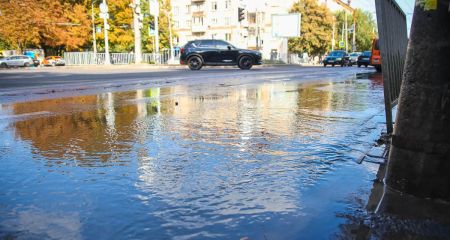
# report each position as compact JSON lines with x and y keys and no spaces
{"x":369,"y":5}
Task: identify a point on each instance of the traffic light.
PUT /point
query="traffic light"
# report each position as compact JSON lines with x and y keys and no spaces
{"x":152,"y":25}
{"x":241,"y":14}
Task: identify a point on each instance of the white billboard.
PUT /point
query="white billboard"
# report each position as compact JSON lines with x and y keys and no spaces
{"x":286,"y":25}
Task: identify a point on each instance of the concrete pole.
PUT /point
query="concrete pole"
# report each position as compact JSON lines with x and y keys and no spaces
{"x":94,"y":38}
{"x":137,"y":31}
{"x":158,"y":59}
{"x":170,"y":35}
{"x":419,"y":161}
{"x":346,"y":32}
{"x":105,"y":32}
{"x":354,"y":36}
{"x":332,"y":36}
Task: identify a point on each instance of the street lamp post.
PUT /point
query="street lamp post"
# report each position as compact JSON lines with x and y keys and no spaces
{"x":94,"y":38}
{"x":104,"y":14}
{"x":137,"y":25}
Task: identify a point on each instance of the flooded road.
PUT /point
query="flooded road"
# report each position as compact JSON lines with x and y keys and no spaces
{"x":258,"y":161}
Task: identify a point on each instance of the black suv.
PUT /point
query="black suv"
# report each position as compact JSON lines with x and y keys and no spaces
{"x":199,"y":53}
{"x":337,"y":57}
{"x":364,"y":59}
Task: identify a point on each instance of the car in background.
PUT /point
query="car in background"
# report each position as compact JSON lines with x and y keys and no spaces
{"x":338,"y":57}
{"x":375,"y":59}
{"x":54,"y":61}
{"x":353,"y":57}
{"x":364,"y":59}
{"x":213,"y":52}
{"x":16,"y":61}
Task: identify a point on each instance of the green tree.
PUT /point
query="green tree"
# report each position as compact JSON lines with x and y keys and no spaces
{"x":365,"y":28}
{"x":316,"y":28}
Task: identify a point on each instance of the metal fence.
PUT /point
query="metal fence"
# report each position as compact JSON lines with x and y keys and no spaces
{"x":89,"y":58}
{"x":393,"y":41}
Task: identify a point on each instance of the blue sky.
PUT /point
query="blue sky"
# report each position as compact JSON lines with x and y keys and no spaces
{"x":369,"y":5}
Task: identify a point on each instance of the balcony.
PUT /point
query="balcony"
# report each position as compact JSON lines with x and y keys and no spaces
{"x":198,"y":13}
{"x":199,"y":28}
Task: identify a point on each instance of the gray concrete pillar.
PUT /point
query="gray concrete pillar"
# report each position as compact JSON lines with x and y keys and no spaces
{"x":419,"y":161}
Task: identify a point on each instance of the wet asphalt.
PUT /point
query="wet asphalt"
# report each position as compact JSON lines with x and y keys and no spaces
{"x":37,"y":83}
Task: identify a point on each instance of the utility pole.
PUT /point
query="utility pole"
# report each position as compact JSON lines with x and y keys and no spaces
{"x":419,"y":159}
{"x":332,"y":37}
{"x":154,"y":11}
{"x":104,"y":14}
{"x":94,"y":38}
{"x":346,"y":32}
{"x":170,"y":35}
{"x":137,"y":26}
{"x":354,"y":37}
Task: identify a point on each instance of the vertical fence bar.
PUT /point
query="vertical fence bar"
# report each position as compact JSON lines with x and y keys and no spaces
{"x":393,"y":41}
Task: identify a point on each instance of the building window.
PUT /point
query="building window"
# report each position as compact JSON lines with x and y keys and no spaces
{"x":228,"y":36}
{"x":176,"y":11}
{"x":251,"y":18}
{"x":227,"y":4}
{"x":214,"y":21}
{"x":176,"y":24}
{"x":198,"y":21}
{"x":214,"y":6}
{"x":188,"y":9}
{"x":227,"y":21}
{"x":188,"y":23}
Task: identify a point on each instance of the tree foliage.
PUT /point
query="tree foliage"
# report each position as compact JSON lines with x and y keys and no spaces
{"x":365,"y":28}
{"x":45,"y":23}
{"x":316,"y":28}
{"x":67,"y":24}
{"x":121,"y":32}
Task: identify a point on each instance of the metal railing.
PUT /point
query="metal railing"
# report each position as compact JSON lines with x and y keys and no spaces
{"x":393,"y":41}
{"x":89,"y":58}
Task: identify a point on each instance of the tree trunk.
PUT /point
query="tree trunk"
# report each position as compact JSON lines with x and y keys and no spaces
{"x":419,"y":161}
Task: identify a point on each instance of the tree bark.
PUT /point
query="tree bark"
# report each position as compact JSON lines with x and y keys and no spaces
{"x":419,"y":161}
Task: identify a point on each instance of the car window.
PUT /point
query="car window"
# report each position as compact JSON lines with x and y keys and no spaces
{"x":207,"y":44}
{"x":222,"y":45}
{"x":337,"y":54}
{"x":367,"y":53}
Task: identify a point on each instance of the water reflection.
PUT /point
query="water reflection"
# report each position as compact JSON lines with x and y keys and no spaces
{"x":201,"y":160}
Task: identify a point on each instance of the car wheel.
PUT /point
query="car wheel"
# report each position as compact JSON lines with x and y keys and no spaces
{"x":195,"y":63}
{"x":365,"y":65}
{"x":4,"y":65}
{"x":26,"y":64}
{"x":378,"y":68}
{"x":53,"y":64}
{"x":359,"y":65}
{"x":332,"y":65}
{"x":324,"y":65}
{"x":245,"y":63}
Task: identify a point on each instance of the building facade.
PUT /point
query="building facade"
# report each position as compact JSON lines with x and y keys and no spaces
{"x":218,"y":19}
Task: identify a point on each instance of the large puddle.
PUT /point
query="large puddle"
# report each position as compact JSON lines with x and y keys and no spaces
{"x":265,"y":161}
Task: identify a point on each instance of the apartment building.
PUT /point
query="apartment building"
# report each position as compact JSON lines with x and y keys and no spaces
{"x":218,"y":19}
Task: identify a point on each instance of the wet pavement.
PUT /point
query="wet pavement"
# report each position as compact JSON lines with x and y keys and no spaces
{"x":268,"y":160}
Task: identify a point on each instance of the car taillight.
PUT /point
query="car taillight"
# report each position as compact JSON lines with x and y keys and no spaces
{"x":182,"y":50}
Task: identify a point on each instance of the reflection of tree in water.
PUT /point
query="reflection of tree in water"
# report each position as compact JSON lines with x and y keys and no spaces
{"x":88,"y":138}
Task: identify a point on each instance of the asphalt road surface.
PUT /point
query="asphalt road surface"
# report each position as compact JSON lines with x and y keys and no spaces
{"x":36,"y":83}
